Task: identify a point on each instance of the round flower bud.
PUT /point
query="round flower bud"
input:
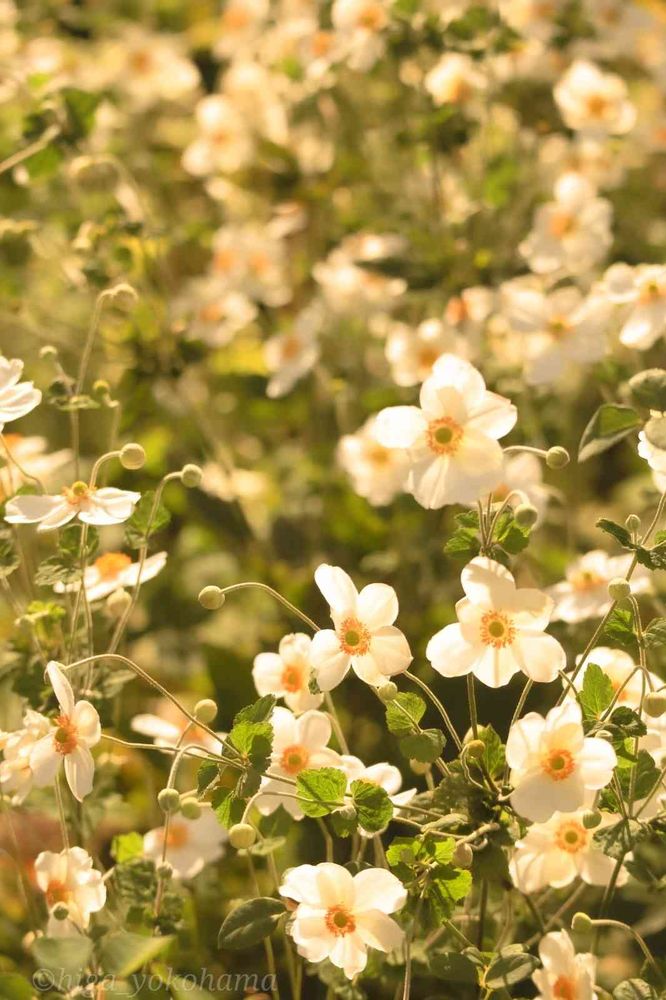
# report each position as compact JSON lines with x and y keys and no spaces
{"x":118,"y":602}
{"x":418,"y":767}
{"x":387,"y":692}
{"x":557,"y":457}
{"x":633,"y":523}
{"x":190,"y":808}
{"x":475,"y":749}
{"x":205,"y":710}
{"x":123,"y":295}
{"x":190,"y":476}
{"x":581,"y":923}
{"x":132,"y":456}
{"x":619,"y":588}
{"x":164,"y":870}
{"x":591,"y":819}
{"x":101,"y":388}
{"x":526,"y":515}
{"x":242,"y":836}
{"x":48,"y":352}
{"x":655,"y":704}
{"x":169,"y":800}
{"x":211,"y":598}
{"x":60,"y":911}
{"x":463,"y":856}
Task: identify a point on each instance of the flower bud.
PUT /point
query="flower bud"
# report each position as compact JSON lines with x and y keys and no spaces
{"x":123,"y":295}
{"x":118,"y":602}
{"x":475,"y":749}
{"x":526,"y":515}
{"x":633,"y":523}
{"x":619,"y":588}
{"x":205,"y":710}
{"x":387,"y":692}
{"x":463,"y":856}
{"x":169,"y":800}
{"x":132,"y":456}
{"x":591,"y":819}
{"x":48,"y":352}
{"x":211,"y":598}
{"x":655,"y":704}
{"x":60,"y":911}
{"x":190,"y":476}
{"x":242,"y":836}
{"x":557,"y":457}
{"x":190,"y":807}
{"x":101,"y":388}
{"x":581,"y":923}
{"x":164,"y":870}
{"x":418,"y":767}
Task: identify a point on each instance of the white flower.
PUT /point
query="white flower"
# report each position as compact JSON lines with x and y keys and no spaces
{"x":412,"y":351}
{"x":642,"y":291}
{"x":532,"y":18}
{"x":377,"y":473}
{"x":384,"y":775}
{"x":169,"y":728}
{"x":69,"y":879}
{"x":655,"y":458}
{"x":248,"y":259}
{"x":467,"y":313}
{"x":594,"y":102}
{"x":364,"y":637}
{"x":286,"y":674}
{"x":584,"y":592}
{"x":571,"y":233}
{"x":359,"y":25}
{"x":564,"y":974}
{"x":73,"y":733}
{"x":291,"y":355}
{"x":211,"y":312}
{"x":350,"y":288}
{"x":92,"y":505}
{"x":522,"y":476}
{"x":113,"y":570}
{"x":562,"y":330}
{"x":16,"y":398}
{"x":340,"y":916}
{"x":298,"y":744}
{"x":35,"y":460}
{"x":500,"y":630}
{"x":241,"y":23}
{"x":224,"y":142}
{"x":621,"y":671}
{"x":451,"y":440}
{"x":455,"y":79}
{"x":190,"y":843}
{"x":553,"y":764}
{"x":560,"y":850}
{"x":148,"y":67}
{"x":16,"y":775}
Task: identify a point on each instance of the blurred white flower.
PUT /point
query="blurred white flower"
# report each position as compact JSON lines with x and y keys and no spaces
{"x":377,"y":473}
{"x":455,"y":79}
{"x":349,"y":287}
{"x":286,"y":674}
{"x":625,"y":677}
{"x":594,"y":102}
{"x":467,"y":313}
{"x":32,"y":455}
{"x":212,"y":312}
{"x":16,"y":774}
{"x":240,"y":26}
{"x":291,"y":355}
{"x":248,"y":259}
{"x":364,"y":637}
{"x":148,"y":67}
{"x":224,"y":142}
{"x":113,"y":570}
{"x":16,"y":398}
{"x":359,"y":25}
{"x":584,"y":592}
{"x":412,"y":351}
{"x":99,"y":506}
{"x":642,"y":291}
{"x":564,"y":974}
{"x":190,"y":843}
{"x":532,"y":18}
{"x":522,"y":476}
{"x":69,"y":879}
{"x":340,"y":915}
{"x":168,"y":727}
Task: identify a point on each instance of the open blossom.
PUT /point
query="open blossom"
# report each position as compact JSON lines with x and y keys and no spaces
{"x":584,"y":592}
{"x":642,"y":292}
{"x":32,"y":455}
{"x":251,"y":260}
{"x":560,"y":850}
{"x":224,"y":142}
{"x":69,"y":879}
{"x":92,"y":505}
{"x":377,"y":473}
{"x":564,"y":974}
{"x":364,"y":636}
{"x":240,"y":25}
{"x":190,"y":843}
{"x":340,"y":915}
{"x":292,"y":354}
{"x":553,"y":764}
{"x":571,"y":233}
{"x":451,"y":440}
{"x":412,"y":351}
{"x":359,"y":27}
{"x":594,"y":102}
{"x":349,"y":287}
{"x":16,"y":398}
{"x":455,"y":79}
{"x":113,"y":570}
{"x":532,"y":18}
{"x":299,"y":743}
{"x":522,"y":482}
{"x":16,"y":775}
{"x":286,"y":674}
{"x":74,"y":731}
{"x":148,"y":67}
{"x":500,"y":630}
{"x":168,"y":727}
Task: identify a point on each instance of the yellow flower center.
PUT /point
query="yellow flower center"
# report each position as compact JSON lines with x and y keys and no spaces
{"x":57,"y":892}
{"x":559,"y":327}
{"x":111,"y":564}
{"x":178,"y":834}
{"x":294,"y":759}
{"x":292,"y":677}
{"x":571,"y":837}
{"x":586,"y":579}
{"x":372,"y":17}
{"x":64,"y":738}
{"x":564,"y":988}
{"x":354,"y":637}
{"x":444,"y":435}
{"x":558,"y":764}
{"x":379,"y":456}
{"x":456,"y":311}
{"x":322,"y":42}
{"x":77,"y":493}
{"x":497,"y":629}
{"x":339,"y":921}
{"x":651,"y":291}
{"x":561,"y":224}
{"x":597,"y":105}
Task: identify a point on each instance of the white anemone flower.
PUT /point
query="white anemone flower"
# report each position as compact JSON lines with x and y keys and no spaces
{"x":298,"y":744}
{"x":500,"y":630}
{"x":451,"y":440}
{"x":16,"y":775}
{"x":113,"y":570}
{"x":455,"y":79}
{"x":364,"y":636}
{"x":522,"y":482}
{"x":642,"y":291}
{"x":340,"y":915}
{"x":190,"y":843}
{"x":553,"y":764}
{"x":412,"y":351}
{"x":75,"y":731}
{"x":92,"y":505}
{"x":359,"y":27}
{"x":594,"y":102}
{"x":286,"y":674}
{"x":69,"y":879}
{"x":32,"y":455}
{"x":386,"y":776}
{"x":16,"y":398}
{"x":564,"y":974}
{"x":377,"y":473}
{"x":560,"y":850}
{"x":584,"y":592}
{"x":168,"y":727}
{"x":224,"y":142}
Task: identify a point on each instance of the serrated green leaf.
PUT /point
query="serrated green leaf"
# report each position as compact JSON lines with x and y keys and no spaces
{"x":425,"y":746}
{"x":596,"y":693}
{"x":373,"y":806}
{"x":144,"y":523}
{"x":321,"y":790}
{"x":404,"y":714}
{"x":126,"y":846}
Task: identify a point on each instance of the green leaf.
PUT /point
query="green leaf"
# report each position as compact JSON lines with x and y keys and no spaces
{"x":425,"y":746}
{"x":493,"y":755}
{"x":655,"y":633}
{"x":15,"y":987}
{"x":648,"y":389}
{"x":464,"y":543}
{"x":373,"y":806}
{"x":596,"y":693}
{"x":619,"y":629}
{"x":259,"y":711}
{"x":228,"y":806}
{"x":618,"y":531}
{"x":447,"y":887}
{"x":510,"y":535}
{"x":646,"y":776}
{"x":635,"y":989}
{"x":610,"y":424}
{"x":143,"y":523}
{"x":9,"y":557}
{"x":454,"y":967}
{"x":254,"y":740}
{"x":206,"y":775}
{"x":63,"y":957}
{"x":187,"y":988}
{"x":122,"y":953}
{"x":511,"y":966}
{"x":126,"y":846}
{"x":250,"y":923}
{"x":321,"y":790}
{"x":404,"y":713}
{"x":80,"y":106}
